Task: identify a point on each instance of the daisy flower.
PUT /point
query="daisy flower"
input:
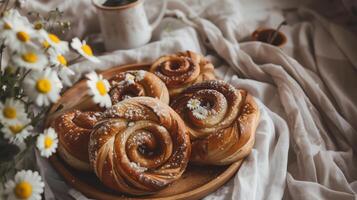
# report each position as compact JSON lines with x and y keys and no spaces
{"x":7,"y":21}
{"x":57,"y":58}
{"x":38,"y":25}
{"x":52,"y":40}
{"x":17,"y":133}
{"x":43,"y":36}
{"x":26,"y":185}
{"x":60,"y":63}
{"x":20,"y":36}
{"x":84,"y":49}
{"x":99,"y":88}
{"x":43,"y":86}
{"x":12,"y":112}
{"x":65,"y":73}
{"x":30,"y":58}
{"x":47,"y":142}
{"x":193,"y":104}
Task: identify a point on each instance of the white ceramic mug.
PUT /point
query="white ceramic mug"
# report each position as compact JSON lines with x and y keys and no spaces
{"x":126,"y":26}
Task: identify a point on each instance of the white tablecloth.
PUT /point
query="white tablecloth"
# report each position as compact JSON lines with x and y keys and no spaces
{"x":306,"y":141}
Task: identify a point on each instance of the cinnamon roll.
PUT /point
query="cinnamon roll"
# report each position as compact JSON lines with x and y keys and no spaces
{"x":73,"y":129}
{"x":221,"y":120}
{"x":178,"y":71}
{"x":139,"y":147}
{"x":137,"y":83}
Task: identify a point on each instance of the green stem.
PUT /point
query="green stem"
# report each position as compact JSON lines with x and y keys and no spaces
{"x":2,"y":47}
{"x":71,"y":62}
{"x":23,"y":77}
{"x":1,"y":72}
{"x":40,"y":116}
{"x":13,"y":85}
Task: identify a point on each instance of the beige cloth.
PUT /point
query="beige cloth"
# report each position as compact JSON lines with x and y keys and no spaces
{"x":307,"y":91}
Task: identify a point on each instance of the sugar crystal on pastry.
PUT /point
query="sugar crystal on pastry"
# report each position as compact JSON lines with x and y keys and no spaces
{"x":134,"y":83}
{"x":144,"y":157}
{"x":222,"y":126}
{"x":179,"y":71}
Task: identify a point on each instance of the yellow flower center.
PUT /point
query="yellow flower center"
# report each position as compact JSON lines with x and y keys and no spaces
{"x":48,"y":142}
{"x":23,"y":190}
{"x":23,"y":36}
{"x":9,"y":112}
{"x":7,"y":26}
{"x":16,"y":129}
{"x":30,"y":57}
{"x":45,"y":44}
{"x":101,"y":88}
{"x":43,"y":86}
{"x":87,"y":50}
{"x":54,"y":38}
{"x":38,"y":25}
{"x":61,"y":59}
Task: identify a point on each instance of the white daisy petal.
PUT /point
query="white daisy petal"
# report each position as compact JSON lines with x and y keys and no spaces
{"x":12,"y":112}
{"x":84,"y":49}
{"x":193,"y":104}
{"x":60,"y":63}
{"x":53,"y":42}
{"x":30,"y":58}
{"x":46,"y":88}
{"x":64,"y":74}
{"x":98,"y":89}
{"x":26,"y":185}
{"x":8,"y":21}
{"x":47,"y":142}
{"x":18,"y":34}
{"x":17,"y":133}
{"x":56,"y":58}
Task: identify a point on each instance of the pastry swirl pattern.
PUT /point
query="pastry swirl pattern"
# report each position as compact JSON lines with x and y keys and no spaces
{"x":73,"y":129}
{"x":178,"y":71}
{"x":221,"y":120}
{"x":139,"y":147}
{"x":136,"y":83}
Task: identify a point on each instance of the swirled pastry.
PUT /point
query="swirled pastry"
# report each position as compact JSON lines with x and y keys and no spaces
{"x":137,"y":83}
{"x":73,"y":129}
{"x":140,"y":146}
{"x":178,"y":71}
{"x":221,"y":120}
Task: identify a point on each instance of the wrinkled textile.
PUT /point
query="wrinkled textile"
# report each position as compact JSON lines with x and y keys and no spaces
{"x":307,"y":91}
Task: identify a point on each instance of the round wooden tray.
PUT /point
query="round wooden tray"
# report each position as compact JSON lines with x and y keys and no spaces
{"x":195,"y":183}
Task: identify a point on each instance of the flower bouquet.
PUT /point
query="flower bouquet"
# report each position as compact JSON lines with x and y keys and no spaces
{"x":34,"y":69}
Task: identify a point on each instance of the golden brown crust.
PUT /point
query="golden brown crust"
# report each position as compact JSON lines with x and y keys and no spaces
{"x":73,"y":129}
{"x":136,"y":83}
{"x":222,"y":123}
{"x":179,"y":71}
{"x":139,"y":147}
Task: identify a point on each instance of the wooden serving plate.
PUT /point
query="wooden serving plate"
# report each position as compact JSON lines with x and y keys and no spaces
{"x":195,"y":183}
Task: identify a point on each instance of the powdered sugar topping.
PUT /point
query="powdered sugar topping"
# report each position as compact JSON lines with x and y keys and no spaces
{"x":200,"y":113}
{"x":130,"y":124}
{"x":139,"y":75}
{"x":129,"y":79}
{"x":137,"y":167}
